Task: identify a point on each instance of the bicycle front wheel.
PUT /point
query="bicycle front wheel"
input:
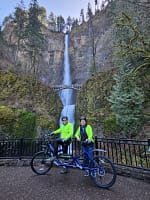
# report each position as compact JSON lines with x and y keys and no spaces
{"x":103,"y":172}
{"x":41,"y":163}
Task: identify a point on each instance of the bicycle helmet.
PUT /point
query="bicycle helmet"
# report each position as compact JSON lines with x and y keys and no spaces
{"x":64,"y":117}
{"x":82,"y":118}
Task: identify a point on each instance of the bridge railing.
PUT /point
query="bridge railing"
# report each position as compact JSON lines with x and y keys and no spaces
{"x":130,"y":153}
{"x":72,"y":86}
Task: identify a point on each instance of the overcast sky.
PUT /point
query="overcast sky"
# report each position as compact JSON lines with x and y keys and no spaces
{"x":58,"y":7}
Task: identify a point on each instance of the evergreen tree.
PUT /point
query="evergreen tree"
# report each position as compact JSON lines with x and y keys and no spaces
{"x":75,"y":23}
{"x":82,"y":16}
{"x":35,"y":42}
{"x":89,"y":12}
{"x":94,"y":37}
{"x":52,"y":22}
{"x":69,"y":24}
{"x":130,"y":56}
{"x":20,"y":20}
{"x":7,"y":20}
{"x":127,"y":101}
{"x":60,"y":23}
{"x":42,"y":16}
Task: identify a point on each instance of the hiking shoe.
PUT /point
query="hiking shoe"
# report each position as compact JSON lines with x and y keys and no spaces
{"x":56,"y":162}
{"x":86,"y":173}
{"x":64,"y":170}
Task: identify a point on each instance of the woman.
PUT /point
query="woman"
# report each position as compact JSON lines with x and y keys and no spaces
{"x":84,"y":134}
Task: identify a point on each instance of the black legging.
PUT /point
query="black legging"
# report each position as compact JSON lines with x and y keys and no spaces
{"x":64,"y":144}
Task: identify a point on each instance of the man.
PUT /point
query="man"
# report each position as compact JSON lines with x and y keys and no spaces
{"x":66,"y":133}
{"x":84,"y":134}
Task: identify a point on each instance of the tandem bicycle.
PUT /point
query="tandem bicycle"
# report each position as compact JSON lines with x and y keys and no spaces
{"x":101,"y":169}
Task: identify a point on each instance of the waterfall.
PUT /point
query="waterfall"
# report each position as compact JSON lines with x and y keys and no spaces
{"x":66,"y":95}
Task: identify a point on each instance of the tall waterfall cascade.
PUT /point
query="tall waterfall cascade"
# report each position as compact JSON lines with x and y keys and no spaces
{"x":66,"y":95}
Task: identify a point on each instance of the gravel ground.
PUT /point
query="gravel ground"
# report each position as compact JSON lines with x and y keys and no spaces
{"x":20,"y":183}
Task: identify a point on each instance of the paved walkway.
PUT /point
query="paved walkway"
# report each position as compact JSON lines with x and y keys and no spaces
{"x":20,"y":183}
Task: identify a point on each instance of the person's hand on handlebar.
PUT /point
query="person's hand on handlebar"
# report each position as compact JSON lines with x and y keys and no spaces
{"x":51,"y":134}
{"x":85,"y":142}
{"x":63,"y":140}
{"x":88,"y":141}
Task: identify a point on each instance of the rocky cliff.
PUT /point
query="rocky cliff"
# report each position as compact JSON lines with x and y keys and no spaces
{"x":50,"y":64}
{"x":90,"y":38}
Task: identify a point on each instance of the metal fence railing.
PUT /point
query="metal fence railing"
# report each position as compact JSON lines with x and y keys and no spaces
{"x":126,"y":152}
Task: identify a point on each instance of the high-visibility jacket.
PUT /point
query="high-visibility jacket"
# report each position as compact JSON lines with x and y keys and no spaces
{"x":89,"y":132}
{"x":66,"y":131}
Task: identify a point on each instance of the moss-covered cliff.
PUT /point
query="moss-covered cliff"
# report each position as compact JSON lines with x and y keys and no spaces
{"x":26,"y":105}
{"x":92,"y":101}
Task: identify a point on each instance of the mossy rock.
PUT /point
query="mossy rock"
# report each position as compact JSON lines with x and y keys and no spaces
{"x":6,"y":115}
{"x":92,"y":98}
{"x":23,"y":99}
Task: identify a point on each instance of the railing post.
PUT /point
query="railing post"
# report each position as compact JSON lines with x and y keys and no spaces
{"x":148,"y":145}
{"x":96,"y":145}
{"x":21,"y":148}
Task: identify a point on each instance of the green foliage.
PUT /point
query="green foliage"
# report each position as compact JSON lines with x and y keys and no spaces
{"x":33,"y":28}
{"x":6,"y":115}
{"x":92,"y":98}
{"x":17,"y":123}
{"x":25,"y":125}
{"x":45,"y":123}
{"x":110,"y":126}
{"x":34,"y":41}
{"x":20,"y":20}
{"x":40,"y":105}
{"x":131,"y":43}
{"x":60,"y":23}
{"x":131,"y":56}
{"x":127,"y":100}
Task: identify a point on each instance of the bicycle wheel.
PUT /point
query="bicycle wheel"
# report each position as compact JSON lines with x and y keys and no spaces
{"x":102,"y":172}
{"x":41,"y":163}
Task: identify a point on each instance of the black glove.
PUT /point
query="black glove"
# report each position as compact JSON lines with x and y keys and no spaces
{"x":86,"y":142}
{"x":64,"y":140}
{"x":51,"y":134}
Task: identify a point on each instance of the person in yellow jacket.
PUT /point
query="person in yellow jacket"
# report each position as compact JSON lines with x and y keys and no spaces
{"x":66,"y":133}
{"x":84,"y":134}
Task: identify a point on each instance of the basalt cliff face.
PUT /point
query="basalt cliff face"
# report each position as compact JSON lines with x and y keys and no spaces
{"x":91,"y":47}
{"x":51,"y":65}
{"x":84,"y":41}
{"x":50,"y":61}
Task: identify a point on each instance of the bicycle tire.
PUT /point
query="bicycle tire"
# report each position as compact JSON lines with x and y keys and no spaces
{"x":103,"y":172}
{"x":40,"y":163}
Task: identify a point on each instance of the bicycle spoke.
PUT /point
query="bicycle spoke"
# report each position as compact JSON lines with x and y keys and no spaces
{"x":41,"y":163}
{"x":103,"y":172}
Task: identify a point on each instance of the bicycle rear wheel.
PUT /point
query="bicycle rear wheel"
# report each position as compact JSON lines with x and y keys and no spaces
{"x":102,"y":172}
{"x":41,"y":163}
